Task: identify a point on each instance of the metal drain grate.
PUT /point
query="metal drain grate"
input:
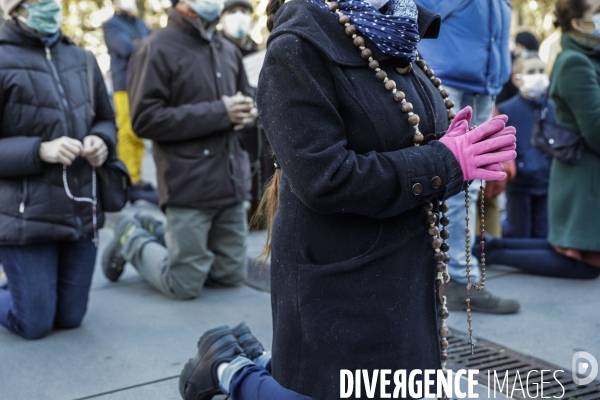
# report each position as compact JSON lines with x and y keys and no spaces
{"x":492,"y":357}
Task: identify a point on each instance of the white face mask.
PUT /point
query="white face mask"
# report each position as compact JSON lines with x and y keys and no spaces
{"x":127,"y":5}
{"x":208,"y":10}
{"x":377,"y":3}
{"x":534,"y":86}
{"x":237,"y":25}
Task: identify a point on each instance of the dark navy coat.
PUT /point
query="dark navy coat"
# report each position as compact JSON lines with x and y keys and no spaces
{"x":533,"y":166}
{"x":120,"y":33}
{"x":44,"y":96}
{"x":352,"y":264}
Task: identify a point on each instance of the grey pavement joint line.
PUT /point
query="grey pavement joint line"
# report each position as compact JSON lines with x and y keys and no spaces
{"x":127,"y":388}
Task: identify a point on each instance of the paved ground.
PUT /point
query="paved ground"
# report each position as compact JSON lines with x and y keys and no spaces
{"x":134,"y":341}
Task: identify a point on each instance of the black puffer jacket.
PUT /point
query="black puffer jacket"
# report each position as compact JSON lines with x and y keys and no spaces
{"x":43,"y":96}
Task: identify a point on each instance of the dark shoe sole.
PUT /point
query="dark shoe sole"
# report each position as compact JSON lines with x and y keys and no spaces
{"x":207,"y":342}
{"x":114,"y":271}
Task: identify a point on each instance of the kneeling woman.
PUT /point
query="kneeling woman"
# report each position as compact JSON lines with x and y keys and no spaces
{"x":356,"y":119}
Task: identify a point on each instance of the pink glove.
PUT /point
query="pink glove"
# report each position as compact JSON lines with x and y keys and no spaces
{"x":480,"y":151}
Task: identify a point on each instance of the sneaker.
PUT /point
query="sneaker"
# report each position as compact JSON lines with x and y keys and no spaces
{"x":252,"y":347}
{"x":3,"y":278}
{"x":199,"y":380}
{"x":155,"y":227}
{"x":113,"y":261}
{"x":481,"y":300}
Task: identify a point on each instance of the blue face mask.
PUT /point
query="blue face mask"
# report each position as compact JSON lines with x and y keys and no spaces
{"x":208,"y":10}
{"x":44,"y":17}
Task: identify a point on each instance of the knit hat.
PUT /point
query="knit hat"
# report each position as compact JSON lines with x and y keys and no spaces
{"x":528,"y":40}
{"x":9,"y":5}
{"x":229,"y":4}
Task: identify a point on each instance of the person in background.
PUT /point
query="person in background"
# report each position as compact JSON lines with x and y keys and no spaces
{"x":185,"y":84}
{"x":50,"y":143}
{"x":572,"y":249}
{"x":123,"y":34}
{"x":526,"y":45}
{"x":473,"y":61}
{"x":236,"y":21}
{"x":527,"y":193}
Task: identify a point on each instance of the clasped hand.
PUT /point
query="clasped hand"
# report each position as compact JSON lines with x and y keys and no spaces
{"x":65,"y":150}
{"x":241,"y":110}
{"x":481,"y":151}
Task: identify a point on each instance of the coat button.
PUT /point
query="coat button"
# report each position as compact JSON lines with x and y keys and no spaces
{"x":417,"y":189}
{"x":206,"y":152}
{"x":436,"y":182}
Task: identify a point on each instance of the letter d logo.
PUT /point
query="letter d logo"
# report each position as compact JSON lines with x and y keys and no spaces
{"x":581,"y":367}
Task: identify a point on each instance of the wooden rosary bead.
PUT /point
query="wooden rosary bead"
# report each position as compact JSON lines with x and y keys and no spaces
{"x":432,"y":219}
{"x":344,"y":19}
{"x":445,"y":247}
{"x":436,"y":243}
{"x":444,"y":332}
{"x":440,"y":267}
{"x":366,"y":53}
{"x":407,"y":107}
{"x":418,"y":138}
{"x":451,"y":114}
{"x":429,"y":73}
{"x":381,"y":75}
{"x":444,"y":94}
{"x":449,"y":104}
{"x":399,"y":96}
{"x":439,"y":257}
{"x":391,"y":85}
{"x":437,"y":82}
{"x":360,"y":41}
{"x":444,"y":356}
{"x":428,"y":206}
{"x":444,"y":234}
{"x":444,"y":208}
{"x":350,"y":30}
{"x":333,"y":6}
{"x":434,"y":231}
{"x":373,"y":64}
{"x":445,"y":220}
{"x":414,"y":120}
{"x":444,"y":314}
{"x":444,"y":344}
{"x":421,"y":63}
{"x":446,"y":259}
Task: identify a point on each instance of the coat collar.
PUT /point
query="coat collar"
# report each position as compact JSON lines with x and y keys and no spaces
{"x":11,"y":33}
{"x":569,"y":43}
{"x":189,"y":26}
{"x":319,"y":27}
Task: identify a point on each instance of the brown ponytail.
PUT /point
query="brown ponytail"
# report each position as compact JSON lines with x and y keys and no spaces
{"x":267,"y":208}
{"x":272,"y":8}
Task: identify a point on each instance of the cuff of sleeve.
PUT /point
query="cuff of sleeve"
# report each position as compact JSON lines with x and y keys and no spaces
{"x":454,"y":175}
{"x":234,"y":366}
{"x":37,"y":160}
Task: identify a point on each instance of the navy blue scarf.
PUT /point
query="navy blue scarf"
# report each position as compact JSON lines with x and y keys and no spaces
{"x":395,"y":33}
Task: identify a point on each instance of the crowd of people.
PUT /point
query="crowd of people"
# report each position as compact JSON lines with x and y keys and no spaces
{"x":375,"y":123}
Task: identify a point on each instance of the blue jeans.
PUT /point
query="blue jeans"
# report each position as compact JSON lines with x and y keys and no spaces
{"x":538,"y":257}
{"x":526,"y":216}
{"x":253,"y":382}
{"x":49,"y":284}
{"x":483,"y":107}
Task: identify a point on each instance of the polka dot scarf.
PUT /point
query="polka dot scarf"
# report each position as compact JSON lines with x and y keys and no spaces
{"x":395,"y":33}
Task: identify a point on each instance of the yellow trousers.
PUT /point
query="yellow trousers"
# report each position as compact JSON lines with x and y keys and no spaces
{"x":130,"y":148}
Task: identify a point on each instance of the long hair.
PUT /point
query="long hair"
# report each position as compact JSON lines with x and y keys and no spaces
{"x":566,"y":11}
{"x":267,"y":208}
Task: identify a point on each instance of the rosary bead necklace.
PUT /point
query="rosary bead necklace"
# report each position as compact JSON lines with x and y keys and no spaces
{"x":93,"y":200}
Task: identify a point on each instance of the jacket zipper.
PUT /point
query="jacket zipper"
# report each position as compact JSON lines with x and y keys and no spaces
{"x":64,"y":107}
{"x":24,"y":198}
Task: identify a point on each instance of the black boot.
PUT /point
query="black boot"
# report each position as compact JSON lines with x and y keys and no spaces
{"x":113,"y":261}
{"x":199,"y":380}
{"x":155,"y":227}
{"x":252,"y":347}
